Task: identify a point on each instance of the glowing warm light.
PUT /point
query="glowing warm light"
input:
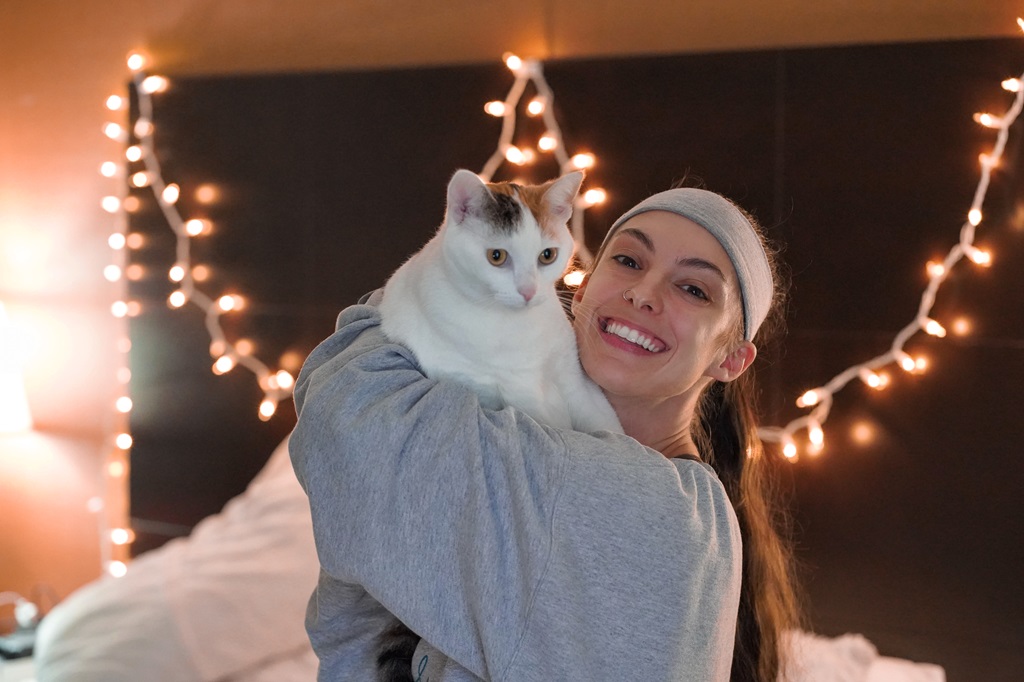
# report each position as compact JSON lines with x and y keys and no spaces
{"x":218,"y":347}
{"x":123,"y":404}
{"x":207,"y":194}
{"x":177,"y":299}
{"x":547,"y":143}
{"x":907,"y":363}
{"x":153,"y":84}
{"x":136,"y":61}
{"x":176,"y":273}
{"x":135,"y":240}
{"x":143,"y":128}
{"x":115,"y":102}
{"x":116,"y":469}
{"x":200,"y":273}
{"x":495,"y":108}
{"x":961,"y":326}
{"x":583,"y":161}
{"x":171,"y":193}
{"x":512,"y":61}
{"x":230,"y":302}
{"x":515,"y":155}
{"x":988,"y":120}
{"x":809,"y":398}
{"x":112,"y":273}
{"x":130,"y":204}
{"x":536,"y":106}
{"x":196,"y":227}
{"x":123,"y":441}
{"x":920,"y":363}
{"x":934,"y":328}
{"x":1011,"y":85}
{"x":789,"y":449}
{"x":595,"y":196}
{"x":244,"y":346}
{"x":875,"y":380}
{"x":979,"y":256}
{"x":134,"y":308}
{"x":119,"y":309}
{"x":224,"y":364}
{"x":133,"y":153}
{"x":140,"y":179}
{"x":974,"y":216}
{"x":284,"y":379}
{"x":116,"y":241}
{"x":862,"y":433}
{"x":135,"y":272}
{"x":124,"y":375}
{"x":935,"y":269}
{"x":111,"y":204}
{"x":267,"y":409}
{"x":117,"y":569}
{"x":816,"y":435}
{"x":108,"y":169}
{"x":121,"y":536}
{"x":114,"y":131}
{"x":574,"y":278}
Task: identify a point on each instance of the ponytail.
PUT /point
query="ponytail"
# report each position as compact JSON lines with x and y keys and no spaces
{"x":768,"y":605}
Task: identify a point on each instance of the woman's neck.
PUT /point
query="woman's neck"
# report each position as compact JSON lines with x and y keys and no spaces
{"x":664,"y":426}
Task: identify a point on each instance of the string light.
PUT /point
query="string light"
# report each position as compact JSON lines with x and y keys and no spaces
{"x":820,"y":399}
{"x":526,"y":72}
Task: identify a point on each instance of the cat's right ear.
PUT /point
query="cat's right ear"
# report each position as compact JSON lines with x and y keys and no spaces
{"x":465,"y":190}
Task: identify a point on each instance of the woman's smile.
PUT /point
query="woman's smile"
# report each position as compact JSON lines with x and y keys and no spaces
{"x":630,"y":337}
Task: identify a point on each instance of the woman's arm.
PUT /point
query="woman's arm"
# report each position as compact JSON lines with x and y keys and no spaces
{"x":504,"y":547}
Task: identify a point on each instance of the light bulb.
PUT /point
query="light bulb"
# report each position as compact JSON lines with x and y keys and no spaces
{"x":267,"y":409}
{"x":583,"y":161}
{"x":244,"y":347}
{"x":177,"y":299}
{"x":140,"y":179}
{"x":230,"y":302}
{"x":979,"y":257}
{"x":119,"y":309}
{"x":117,"y":241}
{"x":153,"y":84}
{"x":988,"y":120}
{"x":143,"y":128}
{"x":512,"y":61}
{"x":595,"y":196}
{"x":495,"y":108}
{"x":133,"y":153}
{"x":108,"y":169}
{"x":934,"y":328}
{"x":136,"y":61}
{"x":811,"y":397}
{"x":113,"y":131}
{"x":789,"y":449}
{"x":135,"y":240}
{"x":171,"y":193}
{"x":200,"y":273}
{"x":515,"y":155}
{"x":121,"y":536}
{"x":574,"y":278}
{"x":123,"y":441}
{"x":547,"y":143}
{"x":974,"y":216}
{"x":176,"y":273}
{"x":117,"y":569}
{"x":285,"y":380}
{"x":115,"y":102}
{"x":196,"y":227}
{"x":115,"y":469}
{"x":536,"y":106}
{"x":906,"y":362}
{"x":224,"y":364}
{"x":961,"y":326}
{"x":112,"y":273}
{"x":1011,"y":85}
{"x":935,"y":269}
{"x":123,"y":404}
{"x":111,"y":204}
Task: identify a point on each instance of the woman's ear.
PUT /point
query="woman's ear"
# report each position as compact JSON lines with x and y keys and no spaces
{"x":735,"y":363}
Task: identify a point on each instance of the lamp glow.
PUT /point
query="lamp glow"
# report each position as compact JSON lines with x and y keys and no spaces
{"x":14,"y":414}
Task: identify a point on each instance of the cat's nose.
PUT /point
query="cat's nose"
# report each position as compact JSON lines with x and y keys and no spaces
{"x":527,"y":292}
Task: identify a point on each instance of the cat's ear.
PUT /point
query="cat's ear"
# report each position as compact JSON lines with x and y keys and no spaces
{"x":465,"y":191}
{"x":561,"y":196}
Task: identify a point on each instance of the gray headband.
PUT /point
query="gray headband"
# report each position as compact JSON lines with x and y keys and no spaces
{"x":733,"y":231}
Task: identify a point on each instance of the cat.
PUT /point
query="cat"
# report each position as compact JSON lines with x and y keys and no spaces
{"x":478,"y":304}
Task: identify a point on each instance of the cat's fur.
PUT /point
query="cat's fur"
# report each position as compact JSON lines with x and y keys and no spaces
{"x":499,"y":329}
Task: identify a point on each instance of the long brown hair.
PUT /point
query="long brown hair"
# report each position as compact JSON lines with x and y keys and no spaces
{"x":725,"y":430}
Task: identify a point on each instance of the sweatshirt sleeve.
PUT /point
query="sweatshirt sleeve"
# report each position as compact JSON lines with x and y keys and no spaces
{"x":467,"y":523}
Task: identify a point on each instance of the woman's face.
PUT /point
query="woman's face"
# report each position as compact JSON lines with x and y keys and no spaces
{"x":678,"y":320}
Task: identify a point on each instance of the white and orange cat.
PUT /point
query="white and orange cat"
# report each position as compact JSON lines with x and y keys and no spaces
{"x":478,"y":303}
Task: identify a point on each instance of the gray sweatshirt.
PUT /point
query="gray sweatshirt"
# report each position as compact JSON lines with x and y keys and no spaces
{"x":516,"y":551}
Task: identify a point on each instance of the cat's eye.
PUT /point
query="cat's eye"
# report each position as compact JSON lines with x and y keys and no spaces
{"x":497,"y":257}
{"x":548,"y":256}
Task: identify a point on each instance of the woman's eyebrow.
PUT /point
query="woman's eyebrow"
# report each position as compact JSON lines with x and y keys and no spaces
{"x":691,"y":262}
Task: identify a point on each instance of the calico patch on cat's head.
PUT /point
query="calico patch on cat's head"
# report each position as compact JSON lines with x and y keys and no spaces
{"x":509,"y":240}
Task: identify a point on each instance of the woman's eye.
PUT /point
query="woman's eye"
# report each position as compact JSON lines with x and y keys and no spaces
{"x":625,"y":260}
{"x":694,"y":290}
{"x":548,"y":256}
{"x":497,"y":257}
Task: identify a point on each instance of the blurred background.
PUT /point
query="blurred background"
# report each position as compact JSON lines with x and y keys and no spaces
{"x":317,"y":137}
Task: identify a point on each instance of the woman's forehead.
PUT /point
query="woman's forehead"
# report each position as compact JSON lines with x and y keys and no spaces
{"x":672,"y":236}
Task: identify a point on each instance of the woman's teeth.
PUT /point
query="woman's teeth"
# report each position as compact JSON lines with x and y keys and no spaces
{"x":633,"y":336}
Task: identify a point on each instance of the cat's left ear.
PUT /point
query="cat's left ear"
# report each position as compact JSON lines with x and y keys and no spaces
{"x":465,"y":190}
{"x":561,"y":195}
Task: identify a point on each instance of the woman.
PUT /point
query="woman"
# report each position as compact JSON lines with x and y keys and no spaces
{"x":520,"y":552}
